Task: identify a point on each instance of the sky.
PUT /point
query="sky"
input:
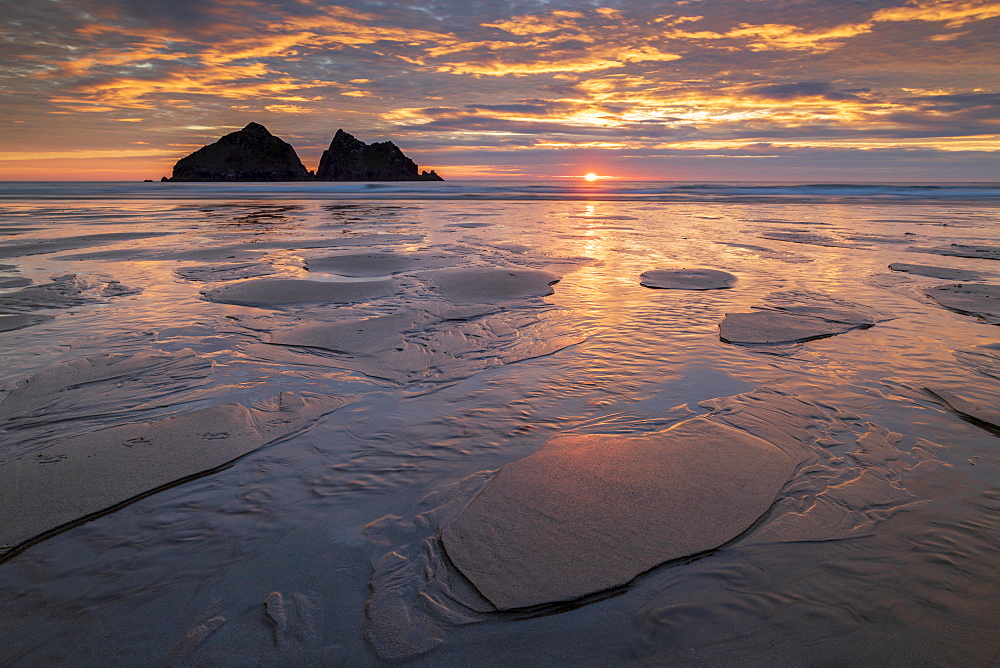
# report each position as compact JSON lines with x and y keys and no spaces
{"x":692,"y":90}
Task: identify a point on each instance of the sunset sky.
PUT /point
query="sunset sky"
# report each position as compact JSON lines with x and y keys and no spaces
{"x":831,"y":90}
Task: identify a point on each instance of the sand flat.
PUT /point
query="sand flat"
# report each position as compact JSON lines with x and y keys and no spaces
{"x":9,"y":323}
{"x":795,"y":316}
{"x":976,"y":299}
{"x":590,"y":512}
{"x":490,"y":284}
{"x":946,"y":273}
{"x":971,"y":409}
{"x":977,"y":251}
{"x":775,"y":327}
{"x":984,"y":359}
{"x":687,"y":279}
{"x":277,"y":292}
{"x":14,"y":282}
{"x":86,"y":475}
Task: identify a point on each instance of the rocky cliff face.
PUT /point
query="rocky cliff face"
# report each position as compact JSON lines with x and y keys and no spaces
{"x":349,"y":159}
{"x":251,"y":154}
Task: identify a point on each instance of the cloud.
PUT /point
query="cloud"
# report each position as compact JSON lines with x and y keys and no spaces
{"x":779,"y":36}
{"x":954,"y":13}
{"x":799,"y":75}
{"x":84,"y":154}
{"x":537,"y":25}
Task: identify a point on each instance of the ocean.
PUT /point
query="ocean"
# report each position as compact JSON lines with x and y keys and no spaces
{"x":237,"y":419}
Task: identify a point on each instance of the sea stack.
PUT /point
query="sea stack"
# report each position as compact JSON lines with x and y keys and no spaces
{"x":349,"y":159}
{"x":251,"y":154}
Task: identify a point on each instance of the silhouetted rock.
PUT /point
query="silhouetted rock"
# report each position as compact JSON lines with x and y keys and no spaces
{"x":251,"y":154}
{"x":349,"y":159}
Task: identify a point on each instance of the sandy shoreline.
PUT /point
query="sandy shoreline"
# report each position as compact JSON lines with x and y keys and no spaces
{"x":337,"y":386}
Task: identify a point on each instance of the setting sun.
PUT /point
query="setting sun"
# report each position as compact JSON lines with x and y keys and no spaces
{"x":590,"y":176}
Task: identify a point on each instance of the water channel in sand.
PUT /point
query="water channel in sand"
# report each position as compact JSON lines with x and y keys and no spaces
{"x":322,"y":546}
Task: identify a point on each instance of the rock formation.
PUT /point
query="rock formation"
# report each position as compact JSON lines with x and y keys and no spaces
{"x":349,"y":159}
{"x":251,"y":154}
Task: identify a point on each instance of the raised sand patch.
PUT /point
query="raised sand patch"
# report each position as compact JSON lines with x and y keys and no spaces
{"x":775,"y":327}
{"x":984,"y":359}
{"x":86,"y":475}
{"x":978,"y":251}
{"x":971,"y":409}
{"x":490,"y":284}
{"x":14,"y":282}
{"x":590,"y":512}
{"x":687,"y":279}
{"x":976,"y":299}
{"x":794,"y":317}
{"x":945,"y":273}
{"x":9,"y":323}
{"x":272,"y":292}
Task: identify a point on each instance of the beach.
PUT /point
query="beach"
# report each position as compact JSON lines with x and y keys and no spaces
{"x":262,"y":423}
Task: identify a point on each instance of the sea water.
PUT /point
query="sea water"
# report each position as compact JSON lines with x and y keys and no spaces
{"x":276,"y":559}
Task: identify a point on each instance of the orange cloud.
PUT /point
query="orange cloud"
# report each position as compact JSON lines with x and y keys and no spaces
{"x":954,"y":13}
{"x":286,"y":109}
{"x":780,"y":36}
{"x":537,"y":25}
{"x":229,"y":68}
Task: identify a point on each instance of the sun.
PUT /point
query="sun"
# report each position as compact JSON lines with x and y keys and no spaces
{"x":590,"y":176}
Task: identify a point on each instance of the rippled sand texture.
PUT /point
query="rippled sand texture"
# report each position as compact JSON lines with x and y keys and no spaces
{"x":311,"y":432}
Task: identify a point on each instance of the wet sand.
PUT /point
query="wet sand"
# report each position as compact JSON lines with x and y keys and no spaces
{"x":461,"y":433}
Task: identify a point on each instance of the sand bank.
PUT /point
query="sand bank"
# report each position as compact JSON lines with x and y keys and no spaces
{"x":276,"y":292}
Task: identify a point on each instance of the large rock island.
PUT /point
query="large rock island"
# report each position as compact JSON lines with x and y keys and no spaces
{"x":251,"y":154}
{"x":350,"y":159}
{"x":254,"y":154}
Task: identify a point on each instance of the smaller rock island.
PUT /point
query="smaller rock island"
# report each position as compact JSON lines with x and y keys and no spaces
{"x":349,"y":159}
{"x":254,"y":154}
